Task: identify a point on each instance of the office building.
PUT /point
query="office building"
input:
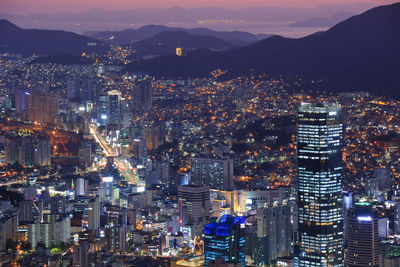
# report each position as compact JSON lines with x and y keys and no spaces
{"x":194,"y":207}
{"x":58,"y":205}
{"x":384,"y":178}
{"x":383,"y":228}
{"x":102,"y":110}
{"x":80,"y":188}
{"x":26,"y":211}
{"x":116,"y":235}
{"x":74,"y":88}
{"x":94,"y":214}
{"x":226,"y":240}
{"x":216,"y":173}
{"x":114,"y":109}
{"x":141,"y":94}
{"x":274,"y":224}
{"x":362,"y":236}
{"x":319,"y":196}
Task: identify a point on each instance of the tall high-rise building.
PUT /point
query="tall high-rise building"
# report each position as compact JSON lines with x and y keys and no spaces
{"x":114,"y":108}
{"x":89,"y":89}
{"x":319,"y":199}
{"x":362,"y":236}
{"x":396,"y":218}
{"x":28,"y":151}
{"x":20,"y":101}
{"x":141,"y":94}
{"x":42,"y":152}
{"x":41,"y":108}
{"x":226,"y":240}
{"x":26,"y":211}
{"x":194,"y":207}
{"x":61,"y":230}
{"x":273,"y":223}
{"x":11,"y":150}
{"x":74,"y":88}
{"x":80,"y":187}
{"x":116,"y":235}
{"x":216,"y":173}
{"x":8,"y":229}
{"x":94,"y":214}
{"x":155,"y":136}
{"x":102,"y":110}
{"x":58,"y":205}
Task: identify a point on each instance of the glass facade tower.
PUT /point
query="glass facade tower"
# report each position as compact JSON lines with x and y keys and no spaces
{"x":319,"y":185}
{"x":114,"y":108}
{"x":225,"y":240}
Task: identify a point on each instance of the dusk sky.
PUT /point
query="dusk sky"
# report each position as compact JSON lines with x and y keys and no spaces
{"x":78,"y":6}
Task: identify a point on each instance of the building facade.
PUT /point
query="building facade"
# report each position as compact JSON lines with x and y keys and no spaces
{"x":226,"y":240}
{"x":319,"y":185}
{"x":362,"y":235}
{"x":216,"y":173}
{"x":194,"y":207}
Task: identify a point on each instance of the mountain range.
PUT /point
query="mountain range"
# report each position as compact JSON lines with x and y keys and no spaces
{"x":360,"y":53}
{"x":148,"y":41}
{"x":129,"y":36}
{"x":165,"y":43}
{"x":323,"y":21}
{"x":99,"y":19}
{"x":44,"y":42}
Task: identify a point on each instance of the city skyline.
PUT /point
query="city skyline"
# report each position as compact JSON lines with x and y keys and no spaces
{"x":195,"y":145}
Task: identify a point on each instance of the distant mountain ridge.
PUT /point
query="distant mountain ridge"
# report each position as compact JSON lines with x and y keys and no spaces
{"x":323,"y":22}
{"x":129,"y":36}
{"x":360,"y":53}
{"x":45,"y":42}
{"x":126,"y":17}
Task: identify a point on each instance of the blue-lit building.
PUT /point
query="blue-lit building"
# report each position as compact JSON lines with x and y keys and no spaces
{"x":226,"y":240}
{"x":319,"y":184}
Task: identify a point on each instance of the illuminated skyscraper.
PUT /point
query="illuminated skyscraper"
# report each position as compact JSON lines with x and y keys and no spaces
{"x":114,"y":108}
{"x":102,"y":110}
{"x":320,"y":203}
{"x":273,"y":224}
{"x":362,"y":236}
{"x":194,"y":207}
{"x":226,"y":240}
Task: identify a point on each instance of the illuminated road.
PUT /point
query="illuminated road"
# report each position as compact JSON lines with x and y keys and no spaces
{"x":23,"y":181}
{"x":124,"y":167}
